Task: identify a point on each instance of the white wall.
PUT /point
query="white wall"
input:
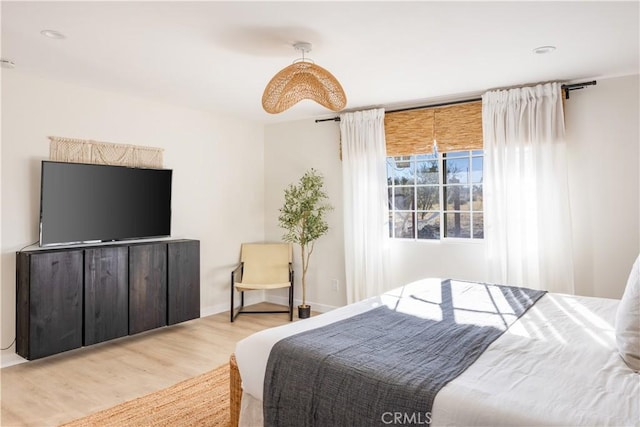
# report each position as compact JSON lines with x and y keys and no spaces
{"x":602,"y":127}
{"x":602,"y":132}
{"x":218,"y":165}
{"x":290,"y":150}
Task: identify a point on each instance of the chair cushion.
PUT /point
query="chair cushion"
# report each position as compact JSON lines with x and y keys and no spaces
{"x":259,"y":286}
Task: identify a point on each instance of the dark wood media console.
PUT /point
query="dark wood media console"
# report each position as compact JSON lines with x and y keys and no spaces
{"x":77,"y":296}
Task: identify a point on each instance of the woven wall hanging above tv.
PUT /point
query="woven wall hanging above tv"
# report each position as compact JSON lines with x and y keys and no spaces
{"x":103,"y":153}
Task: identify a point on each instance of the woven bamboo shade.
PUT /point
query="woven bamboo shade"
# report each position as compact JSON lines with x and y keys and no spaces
{"x":409,"y":132}
{"x":459,"y":127}
{"x":455,"y":128}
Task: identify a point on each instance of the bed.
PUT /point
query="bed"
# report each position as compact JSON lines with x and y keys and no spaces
{"x":555,"y":363}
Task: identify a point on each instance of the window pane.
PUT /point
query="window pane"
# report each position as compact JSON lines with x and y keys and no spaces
{"x":457,"y":225}
{"x":428,"y":198}
{"x":403,"y":224}
{"x":403,"y":173}
{"x":476,"y":169}
{"x":390,"y":168}
{"x":403,"y":198}
{"x":428,"y":225}
{"x":427,"y":172}
{"x":478,"y":226}
{"x":477,"y":198}
{"x":477,"y":152}
{"x":456,"y":197}
{"x":457,"y":171}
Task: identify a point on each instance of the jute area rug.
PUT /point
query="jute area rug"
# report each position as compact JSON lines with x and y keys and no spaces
{"x":198,"y":401}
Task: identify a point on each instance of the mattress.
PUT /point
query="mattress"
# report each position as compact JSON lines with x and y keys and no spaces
{"x":557,"y":365}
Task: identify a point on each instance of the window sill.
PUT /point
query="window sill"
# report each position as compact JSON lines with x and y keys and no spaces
{"x":446,"y":241}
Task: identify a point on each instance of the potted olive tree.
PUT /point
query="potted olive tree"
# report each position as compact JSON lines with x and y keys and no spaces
{"x":303,"y":218}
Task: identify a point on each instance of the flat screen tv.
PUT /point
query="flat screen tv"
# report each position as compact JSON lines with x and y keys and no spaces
{"x":86,"y":203}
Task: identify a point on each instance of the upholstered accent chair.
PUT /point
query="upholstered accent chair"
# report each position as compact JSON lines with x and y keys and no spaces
{"x":263,"y":266}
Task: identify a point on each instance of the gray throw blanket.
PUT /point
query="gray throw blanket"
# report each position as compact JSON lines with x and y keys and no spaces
{"x":385,"y":366}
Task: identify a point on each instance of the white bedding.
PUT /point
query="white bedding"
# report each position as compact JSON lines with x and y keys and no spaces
{"x":557,"y":365}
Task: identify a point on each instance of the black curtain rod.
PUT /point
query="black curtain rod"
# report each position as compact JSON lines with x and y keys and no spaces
{"x":576,"y":86}
{"x":565,"y":88}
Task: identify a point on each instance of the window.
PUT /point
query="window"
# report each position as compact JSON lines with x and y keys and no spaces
{"x":425,"y":203}
{"x":462,"y":190}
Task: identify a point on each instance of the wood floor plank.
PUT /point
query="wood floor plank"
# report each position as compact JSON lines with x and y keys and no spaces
{"x":61,"y":388}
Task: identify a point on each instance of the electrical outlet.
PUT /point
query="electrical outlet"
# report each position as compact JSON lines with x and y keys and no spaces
{"x":335,"y":285}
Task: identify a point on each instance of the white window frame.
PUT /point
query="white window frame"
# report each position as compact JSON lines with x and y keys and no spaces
{"x":442,"y":205}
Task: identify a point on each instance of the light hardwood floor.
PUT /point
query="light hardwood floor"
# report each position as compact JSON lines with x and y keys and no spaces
{"x":61,"y":388}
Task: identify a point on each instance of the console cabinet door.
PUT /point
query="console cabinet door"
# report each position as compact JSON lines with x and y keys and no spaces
{"x":55,"y":303}
{"x":147,"y":287}
{"x":106,"y":293}
{"x":183,"y":281}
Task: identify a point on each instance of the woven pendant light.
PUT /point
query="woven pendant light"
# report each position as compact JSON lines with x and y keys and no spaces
{"x":303,"y":80}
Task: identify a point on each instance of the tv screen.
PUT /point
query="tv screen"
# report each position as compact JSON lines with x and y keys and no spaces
{"x":82,"y":203}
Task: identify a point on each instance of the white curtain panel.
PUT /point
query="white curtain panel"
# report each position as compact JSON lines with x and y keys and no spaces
{"x":526,"y":198}
{"x":366,"y":217}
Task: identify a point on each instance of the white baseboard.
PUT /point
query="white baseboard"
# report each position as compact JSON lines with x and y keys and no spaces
{"x":10,"y":358}
{"x":322,"y":308}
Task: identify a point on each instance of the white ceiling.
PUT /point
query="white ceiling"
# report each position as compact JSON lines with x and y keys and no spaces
{"x":218,"y":56}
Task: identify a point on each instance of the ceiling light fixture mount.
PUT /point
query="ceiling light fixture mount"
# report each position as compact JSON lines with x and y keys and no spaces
{"x":303,"y":80}
{"x":303,"y":47}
